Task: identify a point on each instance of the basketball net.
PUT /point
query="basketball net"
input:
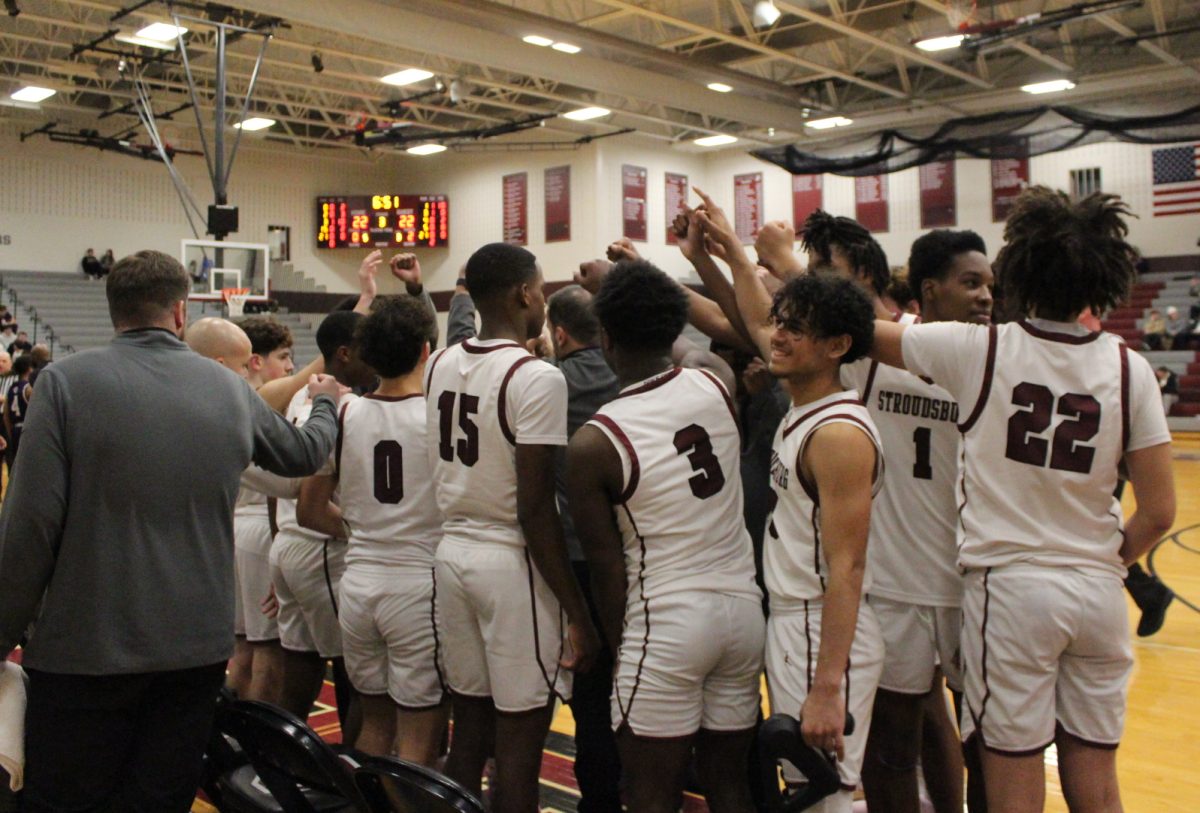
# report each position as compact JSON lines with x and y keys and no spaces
{"x":235,"y":300}
{"x":960,"y":13}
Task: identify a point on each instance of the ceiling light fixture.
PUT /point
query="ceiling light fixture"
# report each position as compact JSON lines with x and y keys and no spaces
{"x":426,"y":149}
{"x":566,"y":47}
{"x":161,"y":32}
{"x":940,"y":43}
{"x":252,"y":124}
{"x":405,"y":77}
{"x":535,"y":39}
{"x":585,"y":113}
{"x":720,"y":87}
{"x":829,"y":123}
{"x":1053,"y":86}
{"x":765,"y":13}
{"x":32,"y":93}
{"x":715,"y":140}
{"x":133,"y":39}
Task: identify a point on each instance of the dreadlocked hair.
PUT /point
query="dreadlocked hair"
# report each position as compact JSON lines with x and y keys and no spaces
{"x":1060,"y":257}
{"x":823,"y":230}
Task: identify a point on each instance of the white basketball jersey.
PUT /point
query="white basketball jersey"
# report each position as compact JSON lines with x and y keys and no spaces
{"x":914,"y":545}
{"x":285,"y":510}
{"x":484,"y":397}
{"x":793,"y":560}
{"x":385,"y":486}
{"x":250,"y":504}
{"x":1048,"y":411}
{"x":681,"y":508}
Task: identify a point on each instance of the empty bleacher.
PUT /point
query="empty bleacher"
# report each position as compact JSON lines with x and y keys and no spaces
{"x":72,"y":310}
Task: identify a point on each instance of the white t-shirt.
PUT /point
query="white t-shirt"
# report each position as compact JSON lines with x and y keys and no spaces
{"x":1047,"y":412}
{"x":794,"y":562}
{"x":681,"y":507}
{"x":483,"y":398}
{"x":385,"y":487}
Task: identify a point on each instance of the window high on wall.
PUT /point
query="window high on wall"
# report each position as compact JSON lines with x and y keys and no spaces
{"x":1084,"y":182}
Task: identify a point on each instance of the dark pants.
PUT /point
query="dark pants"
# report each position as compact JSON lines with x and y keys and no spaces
{"x":117,"y":742}
{"x":597,"y":764}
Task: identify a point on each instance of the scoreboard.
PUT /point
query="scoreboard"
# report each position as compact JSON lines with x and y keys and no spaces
{"x":383,"y":221}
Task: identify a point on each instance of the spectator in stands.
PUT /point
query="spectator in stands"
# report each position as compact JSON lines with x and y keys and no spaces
{"x":40,"y":357}
{"x":1154,"y":330}
{"x":1194,"y":290}
{"x":7,"y":378}
{"x":1168,"y":384}
{"x":107,"y":262}
{"x":1177,"y":329}
{"x":119,"y":528}
{"x":7,"y":320}
{"x":91,"y":265}
{"x":8,"y":335}
{"x":20,"y":345}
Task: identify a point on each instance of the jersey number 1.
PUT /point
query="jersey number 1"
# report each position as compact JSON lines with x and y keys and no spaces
{"x":697,"y":445}
{"x":468,"y":445}
{"x":1067,"y":452}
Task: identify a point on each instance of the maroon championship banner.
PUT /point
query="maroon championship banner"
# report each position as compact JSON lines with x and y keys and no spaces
{"x":938,"y":206}
{"x":1010,"y":176}
{"x":747,"y":205}
{"x":633,"y":202}
{"x":808,"y":195}
{"x":871,"y":202}
{"x":677,"y":198}
{"x":557,"y":191}
{"x":516,"y":208}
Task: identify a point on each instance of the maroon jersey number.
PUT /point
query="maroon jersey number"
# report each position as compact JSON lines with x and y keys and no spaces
{"x":468,"y":445}
{"x":1068,"y":451}
{"x":695,"y":443}
{"x":389,"y":472}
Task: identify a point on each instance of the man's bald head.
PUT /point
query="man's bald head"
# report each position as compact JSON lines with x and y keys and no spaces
{"x":222,"y":341}
{"x":40,"y":354}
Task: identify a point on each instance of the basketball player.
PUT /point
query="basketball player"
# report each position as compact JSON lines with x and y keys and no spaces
{"x":306,"y":565}
{"x":495,"y":416}
{"x":656,"y":495}
{"x":16,"y":403}
{"x":381,"y":474}
{"x":916,"y":589}
{"x":1048,"y":413}
{"x":824,"y":649}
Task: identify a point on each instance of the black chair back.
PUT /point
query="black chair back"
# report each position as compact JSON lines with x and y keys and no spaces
{"x":779,"y":740}
{"x":288,"y":756}
{"x":392,"y":785}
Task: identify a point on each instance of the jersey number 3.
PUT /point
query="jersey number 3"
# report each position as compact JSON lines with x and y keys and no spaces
{"x":695,"y":443}
{"x":468,"y":445}
{"x":1067,"y":451}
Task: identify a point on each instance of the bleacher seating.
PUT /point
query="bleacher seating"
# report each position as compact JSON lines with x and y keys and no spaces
{"x":76,"y":310}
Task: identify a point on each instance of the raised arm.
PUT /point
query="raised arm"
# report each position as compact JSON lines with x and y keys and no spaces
{"x":689,"y":234}
{"x":296,"y":451}
{"x":407,"y":269}
{"x":887,"y":347}
{"x":593,"y":483}
{"x":840,"y":459}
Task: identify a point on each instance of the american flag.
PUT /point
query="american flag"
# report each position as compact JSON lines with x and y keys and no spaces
{"x":1177,"y":181}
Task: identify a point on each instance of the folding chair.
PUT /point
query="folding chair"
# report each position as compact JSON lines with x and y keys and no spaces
{"x":392,"y":785}
{"x":291,"y":769}
{"x":779,"y":740}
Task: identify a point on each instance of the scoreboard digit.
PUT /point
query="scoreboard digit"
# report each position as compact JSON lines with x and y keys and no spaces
{"x":383,"y":221}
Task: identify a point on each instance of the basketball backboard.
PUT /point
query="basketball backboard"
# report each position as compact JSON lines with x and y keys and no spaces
{"x":215,"y":265}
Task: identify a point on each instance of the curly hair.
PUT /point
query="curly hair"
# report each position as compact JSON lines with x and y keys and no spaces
{"x":496,"y":268}
{"x":266,"y":335}
{"x":822,"y":231}
{"x":390,"y":338}
{"x":825,"y":305}
{"x":1060,"y":257}
{"x":900,"y":290}
{"x":932,"y":255}
{"x":640,"y":307}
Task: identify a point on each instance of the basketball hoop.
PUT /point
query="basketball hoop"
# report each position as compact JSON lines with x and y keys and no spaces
{"x":235,"y":300}
{"x":960,"y":13}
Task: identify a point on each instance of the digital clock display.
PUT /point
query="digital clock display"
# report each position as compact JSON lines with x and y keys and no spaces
{"x":383,"y":221}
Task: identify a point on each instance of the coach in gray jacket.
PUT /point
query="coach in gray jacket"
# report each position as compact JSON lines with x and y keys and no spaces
{"x":120,"y":524}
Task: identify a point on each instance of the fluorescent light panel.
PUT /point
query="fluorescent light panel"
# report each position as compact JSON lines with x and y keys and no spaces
{"x":566,"y":47}
{"x":538,"y":40}
{"x":33,"y":93}
{"x":405,"y":77}
{"x":426,"y":149}
{"x":161,"y":32}
{"x":829,"y":123}
{"x":765,"y":13}
{"x":585,"y":113}
{"x":134,"y":39}
{"x":715,"y":140}
{"x":1053,"y":86}
{"x":940,"y":43}
{"x":252,"y":124}
{"x":720,"y":87}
